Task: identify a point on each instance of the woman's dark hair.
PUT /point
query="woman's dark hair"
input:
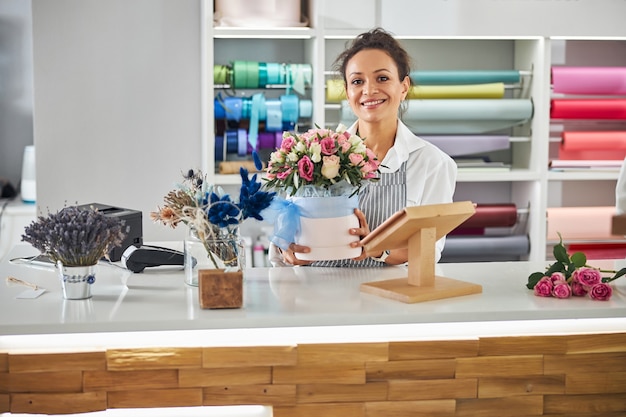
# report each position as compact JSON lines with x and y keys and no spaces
{"x":377,"y":38}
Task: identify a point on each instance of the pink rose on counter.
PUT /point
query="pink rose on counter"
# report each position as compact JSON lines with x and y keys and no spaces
{"x":601,"y":292}
{"x":588,"y":277}
{"x":561,"y":289}
{"x":557,"y":276}
{"x":544,"y":287}
{"x":578,"y":289}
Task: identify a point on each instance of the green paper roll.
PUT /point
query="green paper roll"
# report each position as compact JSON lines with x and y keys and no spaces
{"x":464,"y":77}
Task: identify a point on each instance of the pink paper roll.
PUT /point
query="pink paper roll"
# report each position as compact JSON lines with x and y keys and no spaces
{"x":589,"y":80}
{"x":580,"y":141}
{"x":588,"y":109}
{"x":582,"y":223}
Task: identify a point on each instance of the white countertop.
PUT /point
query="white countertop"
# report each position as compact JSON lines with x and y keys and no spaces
{"x":315,"y":304}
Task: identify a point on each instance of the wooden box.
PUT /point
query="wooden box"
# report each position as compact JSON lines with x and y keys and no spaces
{"x":219,"y":289}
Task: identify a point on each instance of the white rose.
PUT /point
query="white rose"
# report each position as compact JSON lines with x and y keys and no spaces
{"x":315,"y":151}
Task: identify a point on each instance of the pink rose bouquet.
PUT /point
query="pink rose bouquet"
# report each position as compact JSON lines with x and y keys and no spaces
{"x":571,"y":276}
{"x":321,"y":158}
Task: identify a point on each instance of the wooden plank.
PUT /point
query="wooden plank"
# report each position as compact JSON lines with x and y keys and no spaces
{"x":585,"y":363}
{"x":153,"y":358}
{"x":592,"y":403}
{"x":250,"y":394}
{"x":208,"y":377}
{"x":68,"y":381}
{"x":415,"y":369}
{"x":329,"y":393}
{"x":61,"y":403}
{"x":499,"y":366}
{"x":522,"y":345}
{"x":529,"y":405}
{"x":4,"y":382}
{"x":321,"y":410}
{"x":81,"y":361}
{"x":319,"y":374}
{"x":595,"y":383}
{"x":340,"y":353}
{"x":427,"y":408}
{"x":432,"y":389}
{"x":129,"y":380}
{"x":436,"y":349}
{"x":184,"y":397}
{"x":597,"y":343}
{"x":4,"y":362}
{"x":245,"y":356}
{"x":5,"y":403}
{"x":400,"y":290}
{"x":512,"y":386}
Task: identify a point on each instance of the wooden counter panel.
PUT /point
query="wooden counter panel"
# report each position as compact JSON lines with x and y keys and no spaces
{"x":85,"y":361}
{"x":573,"y":376}
{"x":158,"y":358}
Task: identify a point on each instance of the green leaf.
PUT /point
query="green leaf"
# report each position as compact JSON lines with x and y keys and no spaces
{"x":560,"y":253}
{"x":579,"y":259}
{"x":555,"y":267}
{"x":618,"y":274}
{"x":533,"y":279}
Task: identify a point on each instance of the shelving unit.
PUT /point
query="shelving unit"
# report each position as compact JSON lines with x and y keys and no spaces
{"x":529,"y":184}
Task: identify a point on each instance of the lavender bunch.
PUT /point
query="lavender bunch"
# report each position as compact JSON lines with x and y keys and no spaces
{"x":76,"y":237}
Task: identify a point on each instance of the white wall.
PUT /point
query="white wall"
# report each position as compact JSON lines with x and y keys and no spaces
{"x":16,"y":86}
{"x":117,"y":102}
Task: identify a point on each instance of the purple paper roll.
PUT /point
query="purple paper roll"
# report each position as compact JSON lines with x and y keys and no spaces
{"x":589,"y":80}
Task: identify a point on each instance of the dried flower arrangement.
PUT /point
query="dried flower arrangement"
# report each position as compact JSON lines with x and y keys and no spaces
{"x":75,"y":236}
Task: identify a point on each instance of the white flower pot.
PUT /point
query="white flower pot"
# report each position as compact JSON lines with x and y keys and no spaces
{"x":328,"y":238}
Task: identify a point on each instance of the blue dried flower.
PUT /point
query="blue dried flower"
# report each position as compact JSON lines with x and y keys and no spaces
{"x":251,"y":199}
{"x":222,"y":211}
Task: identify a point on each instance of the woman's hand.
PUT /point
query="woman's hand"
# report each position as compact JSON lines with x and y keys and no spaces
{"x":289,"y":255}
{"x":361,"y":231}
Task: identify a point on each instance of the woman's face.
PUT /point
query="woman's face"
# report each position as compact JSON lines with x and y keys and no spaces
{"x":373,"y":88}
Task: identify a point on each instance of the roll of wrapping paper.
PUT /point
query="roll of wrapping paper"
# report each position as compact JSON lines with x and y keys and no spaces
{"x":486,"y":246}
{"x":492,"y":215}
{"x":462,"y":116}
{"x":603,"y":140}
{"x":335,"y":91}
{"x":580,"y":223}
{"x":604,"y":145}
{"x":232,"y":167}
{"x":589,"y":80}
{"x":458,"y":145}
{"x":588,"y":109}
{"x":464,"y":77}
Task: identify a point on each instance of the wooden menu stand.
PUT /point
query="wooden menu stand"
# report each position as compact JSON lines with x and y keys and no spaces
{"x":419,"y":228}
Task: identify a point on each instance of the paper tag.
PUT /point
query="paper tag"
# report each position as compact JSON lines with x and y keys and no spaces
{"x":31,"y":293}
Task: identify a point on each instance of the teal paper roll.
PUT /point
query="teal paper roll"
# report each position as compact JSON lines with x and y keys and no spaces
{"x":460,"y":116}
{"x":464,"y":77}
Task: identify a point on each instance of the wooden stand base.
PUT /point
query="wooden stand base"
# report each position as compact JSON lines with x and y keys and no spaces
{"x":219,"y":289}
{"x":400,"y":290}
{"x":418,"y":229}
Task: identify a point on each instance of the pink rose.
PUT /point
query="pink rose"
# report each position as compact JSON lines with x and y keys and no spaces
{"x":330,"y":166}
{"x":578,"y":289}
{"x":557,"y":276}
{"x":561,"y":289}
{"x":355,"y":159}
{"x":601,"y":292}
{"x":287,"y":144}
{"x":543,"y":288}
{"x":588,"y":277}
{"x":328,"y":146}
{"x":305,"y":168}
{"x":283,"y":175}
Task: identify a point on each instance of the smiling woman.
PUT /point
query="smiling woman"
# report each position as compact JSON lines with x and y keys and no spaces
{"x":375,"y":69}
